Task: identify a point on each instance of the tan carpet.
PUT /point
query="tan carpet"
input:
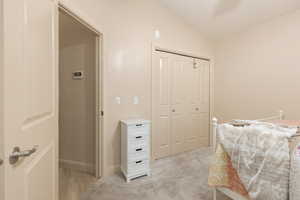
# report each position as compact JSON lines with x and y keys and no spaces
{"x":182,"y":177}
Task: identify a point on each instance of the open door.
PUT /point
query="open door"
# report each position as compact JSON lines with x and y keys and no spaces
{"x":30,"y":117}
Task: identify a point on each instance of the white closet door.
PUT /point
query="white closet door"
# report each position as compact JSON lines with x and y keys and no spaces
{"x":192,"y":136}
{"x":197,"y":105}
{"x":204,"y":130}
{"x":180,"y":104}
{"x":205,"y":102}
{"x":161,"y":135}
{"x":204,"y":85}
{"x":198,"y":134}
{"x":179,"y":80}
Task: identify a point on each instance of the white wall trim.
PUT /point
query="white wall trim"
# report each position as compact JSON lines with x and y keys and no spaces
{"x":1,"y":101}
{"x":211,"y":98}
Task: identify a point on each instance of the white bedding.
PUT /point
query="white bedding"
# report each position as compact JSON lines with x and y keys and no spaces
{"x":260,"y":154}
{"x":295,"y":174}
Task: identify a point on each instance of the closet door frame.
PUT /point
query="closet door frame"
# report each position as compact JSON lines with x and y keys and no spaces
{"x":157,"y":48}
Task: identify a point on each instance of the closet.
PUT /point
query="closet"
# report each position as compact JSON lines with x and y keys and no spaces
{"x":180,"y":103}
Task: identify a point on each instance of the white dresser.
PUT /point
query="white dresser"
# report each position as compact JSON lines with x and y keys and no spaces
{"x":135,"y":148}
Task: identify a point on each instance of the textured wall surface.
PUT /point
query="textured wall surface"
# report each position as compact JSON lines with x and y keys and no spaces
{"x":257,"y":71}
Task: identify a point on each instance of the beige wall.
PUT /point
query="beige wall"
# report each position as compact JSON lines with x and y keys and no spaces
{"x":257,"y":71}
{"x":77,"y":97}
{"x":128,"y":31}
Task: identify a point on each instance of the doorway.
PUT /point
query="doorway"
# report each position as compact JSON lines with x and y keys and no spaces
{"x":79,"y":105}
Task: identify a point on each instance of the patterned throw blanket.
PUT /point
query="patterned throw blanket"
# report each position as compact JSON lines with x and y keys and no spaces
{"x":253,"y":161}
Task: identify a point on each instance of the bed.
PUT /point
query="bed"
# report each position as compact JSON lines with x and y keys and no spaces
{"x":294,"y":142}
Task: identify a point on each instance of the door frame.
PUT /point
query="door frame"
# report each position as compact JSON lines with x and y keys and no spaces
{"x":154,"y":48}
{"x":1,"y":104}
{"x":61,"y":6}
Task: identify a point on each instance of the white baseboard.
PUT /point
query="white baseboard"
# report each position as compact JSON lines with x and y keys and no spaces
{"x":81,"y":166}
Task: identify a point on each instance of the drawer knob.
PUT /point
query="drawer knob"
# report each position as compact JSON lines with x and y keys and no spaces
{"x":137,"y":162}
{"x":139,"y":125}
{"x":138,"y":137}
{"x":140,"y":149}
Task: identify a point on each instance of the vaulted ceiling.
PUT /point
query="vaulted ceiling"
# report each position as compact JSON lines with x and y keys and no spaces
{"x":220,"y":18}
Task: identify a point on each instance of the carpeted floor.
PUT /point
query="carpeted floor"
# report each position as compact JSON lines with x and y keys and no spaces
{"x":182,"y":177}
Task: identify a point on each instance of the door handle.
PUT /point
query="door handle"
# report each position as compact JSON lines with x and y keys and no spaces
{"x":1,"y":162}
{"x":17,"y":154}
{"x":173,"y":110}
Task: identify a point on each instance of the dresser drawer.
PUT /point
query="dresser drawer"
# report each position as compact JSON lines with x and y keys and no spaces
{"x":139,"y":128}
{"x":138,"y":139}
{"x":137,"y":157}
{"x":138,"y":150}
{"x":138,"y":165}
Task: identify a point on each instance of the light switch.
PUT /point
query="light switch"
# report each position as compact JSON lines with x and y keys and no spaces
{"x":157,"y":34}
{"x":118,"y":100}
{"x":136,"y":100}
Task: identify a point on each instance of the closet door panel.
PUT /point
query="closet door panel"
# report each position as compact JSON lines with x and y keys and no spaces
{"x":164,"y":137}
{"x":199,"y":84}
{"x":178,"y":102}
{"x":204,"y":130}
{"x":204,"y":101}
{"x":195,"y":84}
{"x":204,"y":86}
{"x":178,"y":130}
{"x":198,"y":105}
{"x":161,"y":105}
{"x":193,"y":95}
{"x":192,"y":136}
{"x":177,"y":81}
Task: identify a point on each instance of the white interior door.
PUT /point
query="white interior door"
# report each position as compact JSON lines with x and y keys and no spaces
{"x":30,"y":100}
{"x":179,"y":88}
{"x":161,"y":135}
{"x":204,"y":68}
{"x":198,"y":105}
{"x":192,"y":136}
